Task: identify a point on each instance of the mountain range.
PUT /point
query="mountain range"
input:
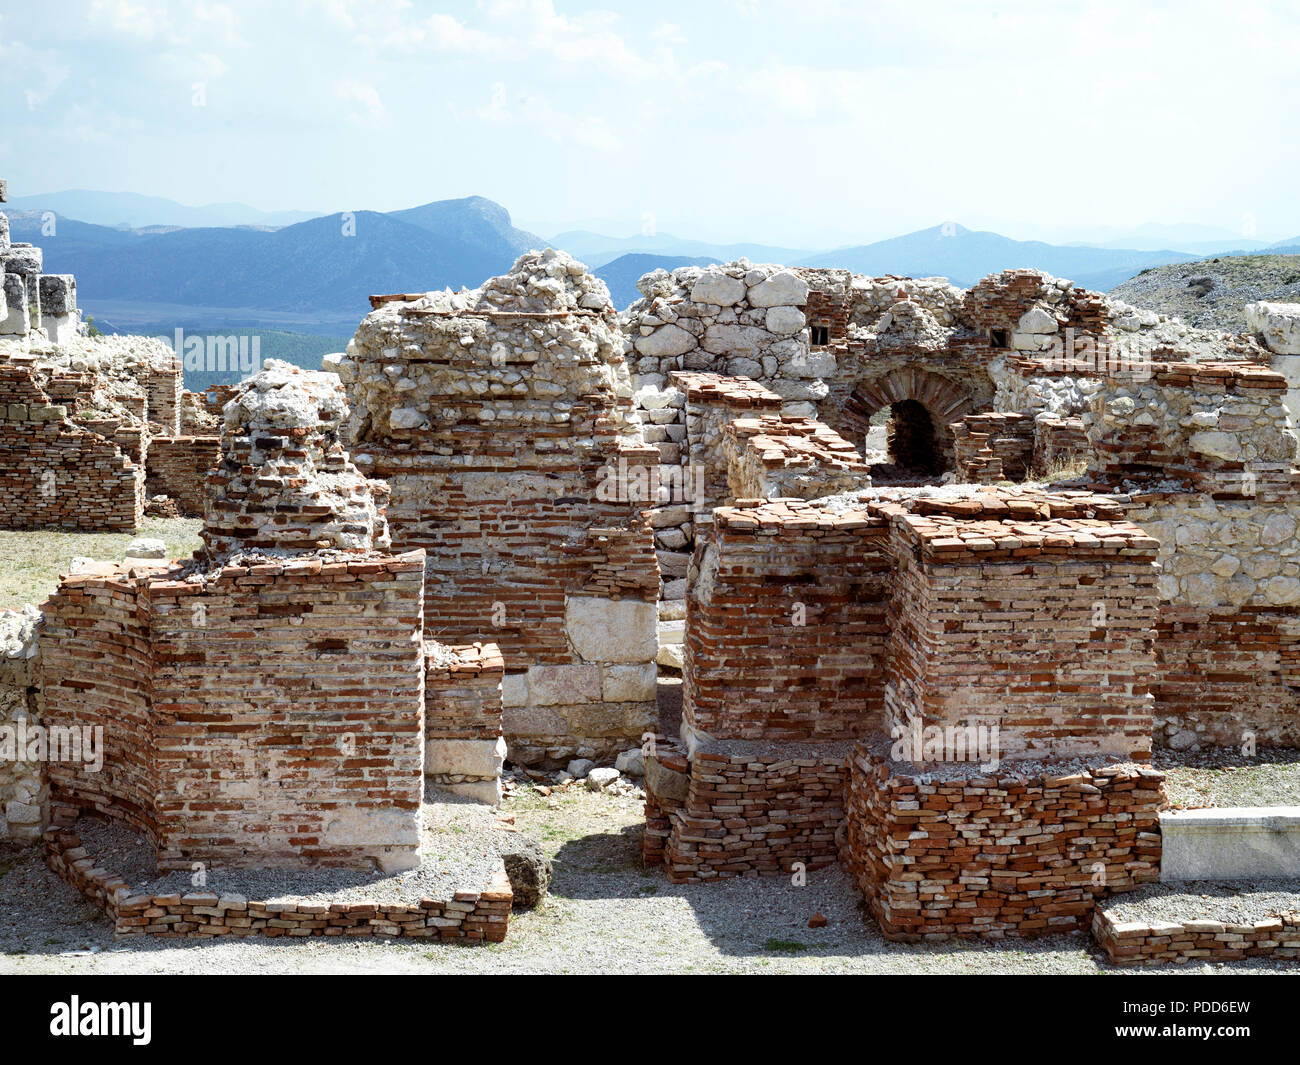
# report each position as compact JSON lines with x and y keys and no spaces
{"x":314,"y":275}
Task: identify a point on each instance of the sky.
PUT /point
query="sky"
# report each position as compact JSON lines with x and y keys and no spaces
{"x":805,"y":123}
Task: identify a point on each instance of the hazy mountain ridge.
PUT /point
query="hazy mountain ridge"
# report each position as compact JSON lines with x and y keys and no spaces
{"x":315,"y":275}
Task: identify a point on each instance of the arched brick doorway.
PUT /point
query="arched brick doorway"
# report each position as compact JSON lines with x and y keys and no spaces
{"x":920,"y":406}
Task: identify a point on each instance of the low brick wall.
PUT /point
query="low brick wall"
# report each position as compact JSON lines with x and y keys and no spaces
{"x":467,"y":916}
{"x":268,"y":716}
{"x":1006,"y":854}
{"x":1223,"y":673}
{"x":1131,"y":943}
{"x":746,"y":812}
{"x":178,"y":467}
{"x":993,"y":447}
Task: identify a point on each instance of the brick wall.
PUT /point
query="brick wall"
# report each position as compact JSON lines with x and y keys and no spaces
{"x":1040,"y":625}
{"x":1128,"y":943}
{"x":506,"y":439}
{"x":470,"y":916}
{"x":55,"y":474}
{"x":749,"y":810}
{"x":993,"y":447}
{"x":464,"y":748}
{"x":178,"y":467}
{"x":774,"y":456}
{"x":163,"y":386}
{"x":785,"y":630}
{"x":268,"y":716}
{"x":999,"y":854}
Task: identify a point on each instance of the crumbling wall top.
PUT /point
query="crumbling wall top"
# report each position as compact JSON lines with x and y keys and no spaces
{"x":285,"y":482}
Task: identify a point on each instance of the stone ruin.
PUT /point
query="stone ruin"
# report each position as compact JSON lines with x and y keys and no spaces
{"x":903,"y":662}
{"x":90,"y":426}
{"x":502,"y":421}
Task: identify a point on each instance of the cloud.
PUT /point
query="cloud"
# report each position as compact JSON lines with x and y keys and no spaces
{"x":365,"y":99}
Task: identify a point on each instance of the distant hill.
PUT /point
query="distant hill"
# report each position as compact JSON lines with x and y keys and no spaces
{"x":1212,"y":293}
{"x":326,"y":265}
{"x":131,"y":210}
{"x":596,"y":249}
{"x":623,"y":273}
{"x":965,"y":255}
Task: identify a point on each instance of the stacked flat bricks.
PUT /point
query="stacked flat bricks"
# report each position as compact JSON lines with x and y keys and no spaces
{"x":993,"y":447}
{"x":999,"y":853}
{"x":502,"y":420}
{"x":775,"y":457}
{"x":179,"y":467}
{"x":1132,"y":943}
{"x":471,"y":916}
{"x":815,"y":627}
{"x":465,"y":750}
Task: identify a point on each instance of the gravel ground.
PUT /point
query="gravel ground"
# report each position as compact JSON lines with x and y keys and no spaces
{"x":1221,"y":776}
{"x":460,"y":849}
{"x":605,"y":914}
{"x":1236,"y":901}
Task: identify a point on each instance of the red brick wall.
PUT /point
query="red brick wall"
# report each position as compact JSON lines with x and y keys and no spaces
{"x":1043,"y":628}
{"x":462,"y":695}
{"x":994,"y":855}
{"x":54,"y":474}
{"x":271,"y":716}
{"x":178,"y":467}
{"x":1223,"y":673}
{"x":785,"y":629}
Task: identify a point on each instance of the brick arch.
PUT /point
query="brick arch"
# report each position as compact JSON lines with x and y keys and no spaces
{"x":944,"y":400}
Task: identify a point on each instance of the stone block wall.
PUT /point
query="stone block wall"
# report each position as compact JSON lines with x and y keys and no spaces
{"x":1012,"y":853}
{"x":1204,"y":453}
{"x":1218,"y":428}
{"x":179,"y":466}
{"x":54,"y":473}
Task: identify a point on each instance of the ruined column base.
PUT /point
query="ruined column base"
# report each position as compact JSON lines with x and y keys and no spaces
{"x":1017,"y":852}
